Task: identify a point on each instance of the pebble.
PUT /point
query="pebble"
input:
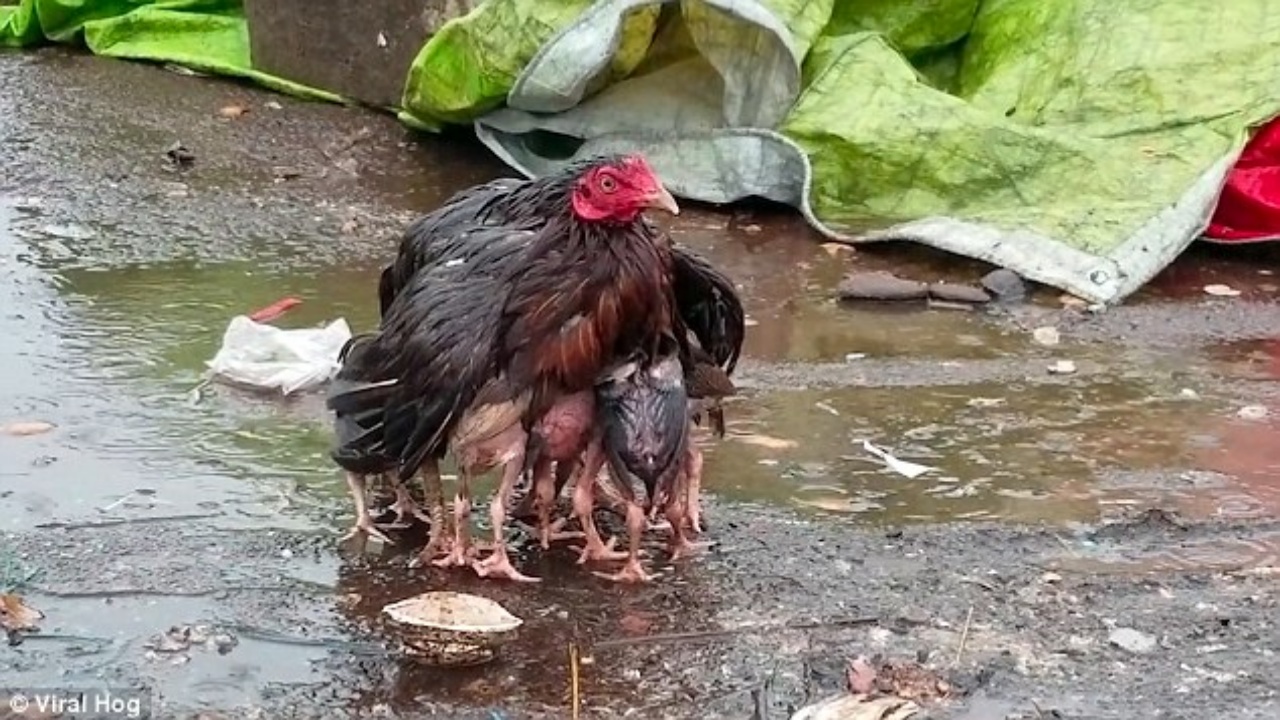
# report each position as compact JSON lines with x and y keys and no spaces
{"x":1047,"y":335}
{"x":1062,"y":367}
{"x":880,"y":286}
{"x":1252,"y":412}
{"x":958,"y":293}
{"x":1005,"y":285}
{"x":1134,"y":641}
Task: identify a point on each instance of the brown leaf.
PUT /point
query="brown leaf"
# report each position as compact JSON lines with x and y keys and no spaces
{"x":23,"y":429}
{"x":232,"y":112}
{"x":16,"y":615}
{"x":861,"y":677}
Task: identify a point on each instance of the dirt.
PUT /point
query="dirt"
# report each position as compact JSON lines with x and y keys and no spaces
{"x":186,"y":543}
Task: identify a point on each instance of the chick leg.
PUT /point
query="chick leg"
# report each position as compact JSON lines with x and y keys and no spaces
{"x":583,"y":506}
{"x":677,"y":503}
{"x":460,"y":554}
{"x":405,"y":505}
{"x":498,"y":564}
{"x":545,"y":487}
{"x":364,"y":526}
{"x":693,"y":488}
{"x":632,"y":571}
{"x":433,"y":495}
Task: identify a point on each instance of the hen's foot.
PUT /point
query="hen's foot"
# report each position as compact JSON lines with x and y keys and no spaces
{"x":498,"y":565}
{"x":458,"y":555}
{"x":632,"y":572}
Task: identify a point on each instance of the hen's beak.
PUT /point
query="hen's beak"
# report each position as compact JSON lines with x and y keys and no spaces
{"x":662,"y":200}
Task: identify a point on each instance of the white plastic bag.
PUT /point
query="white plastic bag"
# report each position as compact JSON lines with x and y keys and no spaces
{"x":268,"y":357}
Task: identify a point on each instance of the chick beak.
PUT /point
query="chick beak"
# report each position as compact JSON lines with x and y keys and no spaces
{"x":662,"y":200}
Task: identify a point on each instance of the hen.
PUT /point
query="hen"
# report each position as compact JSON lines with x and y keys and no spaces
{"x":512,"y":326}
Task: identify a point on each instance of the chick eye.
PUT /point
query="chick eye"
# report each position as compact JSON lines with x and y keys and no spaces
{"x":607,"y":184}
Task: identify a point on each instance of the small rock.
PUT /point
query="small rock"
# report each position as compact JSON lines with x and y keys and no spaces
{"x":231,"y":112}
{"x":853,"y":357}
{"x":1005,"y":285}
{"x":272,"y":105}
{"x":956,"y":292}
{"x":1134,"y":641}
{"x":880,"y":286}
{"x":181,"y":157}
{"x":1188,"y":394}
{"x":752,"y":229}
{"x":286,"y":553}
{"x":1050,"y":578}
{"x":1252,"y":412}
{"x":1048,"y":335}
{"x":1221,"y":290}
{"x":23,"y":429}
{"x":1062,"y":367}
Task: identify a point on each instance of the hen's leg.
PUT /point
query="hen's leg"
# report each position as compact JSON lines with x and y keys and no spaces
{"x":693,"y":488}
{"x":433,"y":496}
{"x":584,"y":504}
{"x":632,"y":571}
{"x":498,"y":564}
{"x":460,"y":554}
{"x":364,"y":526}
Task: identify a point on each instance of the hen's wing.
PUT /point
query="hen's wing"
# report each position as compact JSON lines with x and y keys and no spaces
{"x":436,"y":350}
{"x":709,"y":305}
{"x":441,"y":234}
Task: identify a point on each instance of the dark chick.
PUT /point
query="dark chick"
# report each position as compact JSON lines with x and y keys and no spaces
{"x":518,"y":325}
{"x":644,"y":418}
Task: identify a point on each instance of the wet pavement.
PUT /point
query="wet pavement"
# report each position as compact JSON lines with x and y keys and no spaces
{"x":154,"y":504}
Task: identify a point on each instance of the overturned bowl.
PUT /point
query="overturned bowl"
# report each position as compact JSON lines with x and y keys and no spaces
{"x":451,"y":628}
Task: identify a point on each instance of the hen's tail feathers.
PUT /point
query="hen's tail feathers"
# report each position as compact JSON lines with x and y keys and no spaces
{"x":710,"y":306}
{"x":417,"y":430}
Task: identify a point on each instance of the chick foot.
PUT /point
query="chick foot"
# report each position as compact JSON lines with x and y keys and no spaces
{"x":553,"y":531}
{"x":498,"y":565}
{"x":405,"y":506}
{"x":364,"y":528}
{"x":632,"y":572}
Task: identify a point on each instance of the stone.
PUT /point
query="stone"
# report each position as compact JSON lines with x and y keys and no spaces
{"x":1130,"y":640}
{"x":359,"y":50}
{"x":880,"y":286}
{"x":1005,"y":285}
{"x":956,"y":292}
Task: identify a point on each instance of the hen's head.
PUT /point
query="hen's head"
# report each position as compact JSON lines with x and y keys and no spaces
{"x":617,"y":189}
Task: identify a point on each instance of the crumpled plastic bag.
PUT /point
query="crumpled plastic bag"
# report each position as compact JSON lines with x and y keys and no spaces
{"x":270,"y":358}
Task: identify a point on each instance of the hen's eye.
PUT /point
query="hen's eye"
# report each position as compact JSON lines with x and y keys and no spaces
{"x":607,"y":184}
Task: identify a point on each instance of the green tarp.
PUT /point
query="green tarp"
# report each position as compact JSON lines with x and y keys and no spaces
{"x":1081,"y":143}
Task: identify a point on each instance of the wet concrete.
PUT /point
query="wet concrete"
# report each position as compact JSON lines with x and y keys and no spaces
{"x":149,"y":507}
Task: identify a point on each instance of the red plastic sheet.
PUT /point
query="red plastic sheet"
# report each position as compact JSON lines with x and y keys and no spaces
{"x":1249,"y":209}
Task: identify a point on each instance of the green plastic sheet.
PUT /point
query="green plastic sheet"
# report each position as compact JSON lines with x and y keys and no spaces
{"x":206,"y":35}
{"x":1081,"y":143}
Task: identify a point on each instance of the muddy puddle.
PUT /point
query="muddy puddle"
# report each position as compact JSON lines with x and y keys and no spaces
{"x":220,"y":507}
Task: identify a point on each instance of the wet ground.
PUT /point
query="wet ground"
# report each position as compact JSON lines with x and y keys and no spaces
{"x":149,"y":506}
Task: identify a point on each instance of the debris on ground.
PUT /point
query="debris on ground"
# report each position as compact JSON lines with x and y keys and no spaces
{"x":902,"y":467}
{"x":266,"y":357}
{"x":231,"y":112}
{"x":1047,"y":336}
{"x":1221,"y":291}
{"x":175,"y":643}
{"x":854,"y":707}
{"x":16,"y":615}
{"x":956,"y":292}
{"x":26,"y":428}
{"x":1253,"y":412}
{"x":880,"y":285}
{"x":1062,"y":367}
{"x":180,"y":157}
{"x":1130,"y":640}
